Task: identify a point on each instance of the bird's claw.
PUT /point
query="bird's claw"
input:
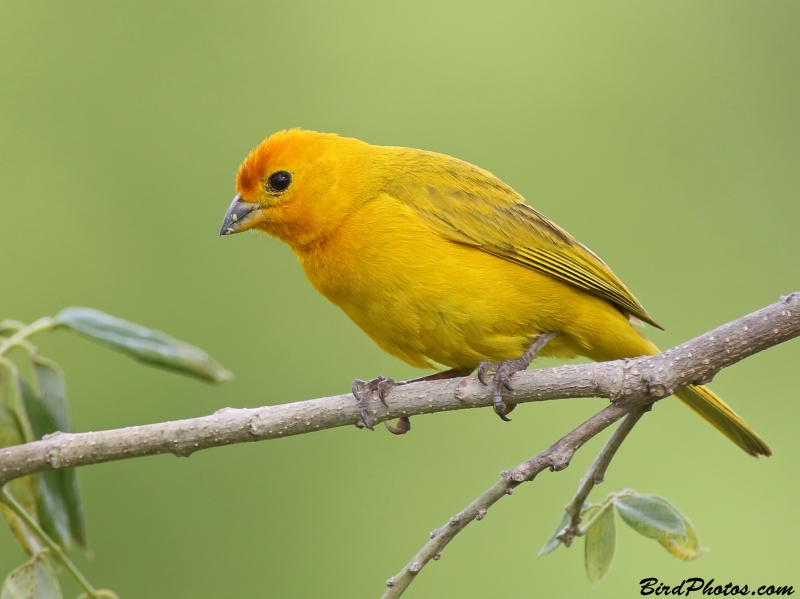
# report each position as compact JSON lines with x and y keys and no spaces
{"x":364,"y":389}
{"x":403,"y":426}
{"x":502,"y":373}
{"x":484,"y":367}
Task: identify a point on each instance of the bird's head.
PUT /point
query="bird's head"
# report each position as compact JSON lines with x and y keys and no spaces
{"x":299,"y":185}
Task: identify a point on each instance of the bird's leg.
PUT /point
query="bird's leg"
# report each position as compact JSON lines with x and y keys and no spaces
{"x":453,"y":373}
{"x":364,"y":389}
{"x":505,"y":369}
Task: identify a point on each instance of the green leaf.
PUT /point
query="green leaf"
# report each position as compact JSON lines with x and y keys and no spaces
{"x":687,"y":550}
{"x":53,"y":516}
{"x":11,"y":397}
{"x":601,"y":542}
{"x":553,"y":541}
{"x":143,"y":344}
{"x":61,"y":484}
{"x":15,"y":428}
{"x":21,"y":489}
{"x":7,"y":372}
{"x":53,"y":392}
{"x":32,"y":580}
{"x":651,"y":516}
{"x":60,"y":512}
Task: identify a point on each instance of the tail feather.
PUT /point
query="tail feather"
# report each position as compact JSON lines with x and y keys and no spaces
{"x":618,"y":339}
{"x":703,"y":401}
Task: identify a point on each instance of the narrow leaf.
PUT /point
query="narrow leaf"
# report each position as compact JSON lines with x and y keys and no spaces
{"x":11,"y":397}
{"x":651,"y":516}
{"x":687,"y":550}
{"x":63,"y":484}
{"x":32,"y":580}
{"x":601,"y":542}
{"x":553,"y":542}
{"x":53,"y":392}
{"x":7,"y":371}
{"x":53,"y":513}
{"x":21,"y":489}
{"x":60,"y":513}
{"x":143,"y":344}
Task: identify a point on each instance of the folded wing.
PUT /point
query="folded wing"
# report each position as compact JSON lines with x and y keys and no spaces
{"x":469,"y":205}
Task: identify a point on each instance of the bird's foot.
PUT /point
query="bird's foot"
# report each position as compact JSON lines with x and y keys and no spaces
{"x":363,"y":390}
{"x":503,"y":371}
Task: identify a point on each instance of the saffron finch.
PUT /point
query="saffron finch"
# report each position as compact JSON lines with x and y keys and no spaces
{"x":443,"y":264}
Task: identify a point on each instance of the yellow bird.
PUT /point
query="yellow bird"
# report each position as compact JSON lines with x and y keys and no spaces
{"x":443,"y":264}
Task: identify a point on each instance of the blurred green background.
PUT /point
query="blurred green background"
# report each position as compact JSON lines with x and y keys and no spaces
{"x":664,"y":135}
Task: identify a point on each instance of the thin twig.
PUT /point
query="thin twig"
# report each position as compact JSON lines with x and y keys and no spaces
{"x":596,"y":473}
{"x":43,"y":324}
{"x":555,"y":458}
{"x":630,"y":383}
{"x":55,"y":549}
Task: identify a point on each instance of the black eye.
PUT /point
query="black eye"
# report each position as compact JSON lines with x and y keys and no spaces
{"x":279,"y":181}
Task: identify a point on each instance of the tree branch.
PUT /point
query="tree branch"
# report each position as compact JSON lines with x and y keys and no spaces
{"x":628,"y":383}
{"x":555,"y":458}
{"x":597,"y":472}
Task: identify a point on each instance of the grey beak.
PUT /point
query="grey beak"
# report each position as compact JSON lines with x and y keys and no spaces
{"x":236,"y":217}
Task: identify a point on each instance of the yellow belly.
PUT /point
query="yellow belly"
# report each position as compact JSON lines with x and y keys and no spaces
{"x":431,"y":301}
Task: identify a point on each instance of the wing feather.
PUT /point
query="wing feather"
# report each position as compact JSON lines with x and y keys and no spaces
{"x":470,"y":206}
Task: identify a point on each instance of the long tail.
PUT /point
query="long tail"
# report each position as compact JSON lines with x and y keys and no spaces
{"x":717,"y":413}
{"x":618,"y":339}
